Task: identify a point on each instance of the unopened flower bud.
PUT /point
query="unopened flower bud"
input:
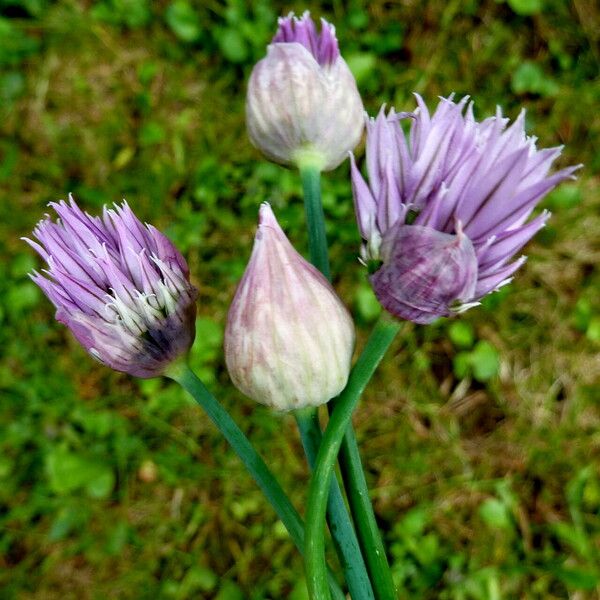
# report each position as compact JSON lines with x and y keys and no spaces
{"x":303,"y":107}
{"x":120,"y":286}
{"x":289,"y":339}
{"x":425,"y":273}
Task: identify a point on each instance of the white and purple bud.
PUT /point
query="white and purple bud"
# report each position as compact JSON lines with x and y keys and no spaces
{"x":289,"y":339}
{"x":303,"y":106}
{"x":445,"y":211}
{"x":121,"y":287}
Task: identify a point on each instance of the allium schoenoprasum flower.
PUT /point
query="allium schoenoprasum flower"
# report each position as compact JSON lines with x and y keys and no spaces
{"x":303,"y":106}
{"x":120,"y":286}
{"x":289,"y":339}
{"x":444,"y":212}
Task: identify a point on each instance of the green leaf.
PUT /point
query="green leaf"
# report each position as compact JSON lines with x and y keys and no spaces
{"x":197,"y":579}
{"x":495,"y":514}
{"x":366,"y":303}
{"x":593,"y":330}
{"x":526,"y":7}
{"x":576,"y":486}
{"x":233,"y":45}
{"x":578,"y":578}
{"x":152,"y":133}
{"x":123,"y":157}
{"x":461,"y":334}
{"x":102,"y":483}
{"x":12,"y":85}
{"x":147,"y":72}
{"x":68,"y":519}
{"x":573,"y":536}
{"x":21,"y":297}
{"x":131,"y":13}
{"x":485,"y":361}
{"x":229,"y":591}
{"x":361,"y":65}
{"x":413,"y":523}
{"x":300,"y":591}
{"x":117,"y":538}
{"x":6,"y":466}
{"x":565,"y":196}
{"x":68,"y":472}
{"x":493,"y":301}
{"x":16,"y":46}
{"x":529,"y":78}
{"x":9,"y":155}
{"x":583,"y":313}
{"x":461,"y":364}
{"x":184,"y":21}
{"x":206,"y":348}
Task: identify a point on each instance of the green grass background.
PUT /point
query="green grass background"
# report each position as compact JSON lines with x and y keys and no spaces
{"x":481,"y":435}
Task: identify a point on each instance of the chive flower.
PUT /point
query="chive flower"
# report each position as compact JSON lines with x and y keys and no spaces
{"x":444,"y":212}
{"x":289,"y":339}
{"x":120,"y":286}
{"x":303,"y":107}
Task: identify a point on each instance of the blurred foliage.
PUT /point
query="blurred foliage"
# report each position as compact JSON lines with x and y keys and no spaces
{"x":481,"y":434}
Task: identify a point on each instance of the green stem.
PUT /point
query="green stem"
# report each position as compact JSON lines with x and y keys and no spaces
{"x":340,"y":526}
{"x":350,"y":462}
{"x":314,"y":543}
{"x":183,"y":375}
{"x":361,"y":507}
{"x":315,"y":219}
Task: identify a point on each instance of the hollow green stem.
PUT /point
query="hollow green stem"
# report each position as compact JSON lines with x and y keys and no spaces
{"x":350,"y":462}
{"x":315,"y":219}
{"x":182,"y":374}
{"x":362,"y":509}
{"x":340,"y":525}
{"x":314,"y":543}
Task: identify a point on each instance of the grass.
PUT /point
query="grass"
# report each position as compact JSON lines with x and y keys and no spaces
{"x":481,"y":439}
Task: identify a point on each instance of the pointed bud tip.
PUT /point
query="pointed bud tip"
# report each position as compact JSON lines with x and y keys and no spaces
{"x":265,"y":214}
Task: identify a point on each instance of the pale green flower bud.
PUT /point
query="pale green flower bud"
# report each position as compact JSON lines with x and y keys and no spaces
{"x":289,"y":339}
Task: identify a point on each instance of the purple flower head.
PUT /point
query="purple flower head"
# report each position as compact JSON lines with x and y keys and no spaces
{"x":445,"y":211}
{"x":303,"y":107}
{"x":120,"y":286}
{"x":323,"y":46}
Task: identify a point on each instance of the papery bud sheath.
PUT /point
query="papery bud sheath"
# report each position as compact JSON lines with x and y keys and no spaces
{"x":289,"y":339}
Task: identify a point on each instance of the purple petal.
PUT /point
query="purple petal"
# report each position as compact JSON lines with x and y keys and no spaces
{"x":496,"y":280}
{"x":488,"y":192}
{"x":323,"y":46}
{"x":508,"y":243}
{"x":364,"y":204}
{"x":512,"y":214}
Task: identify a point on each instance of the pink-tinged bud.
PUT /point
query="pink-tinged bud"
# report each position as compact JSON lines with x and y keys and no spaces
{"x":425,"y":273}
{"x":289,"y":339}
{"x":303,"y":107}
